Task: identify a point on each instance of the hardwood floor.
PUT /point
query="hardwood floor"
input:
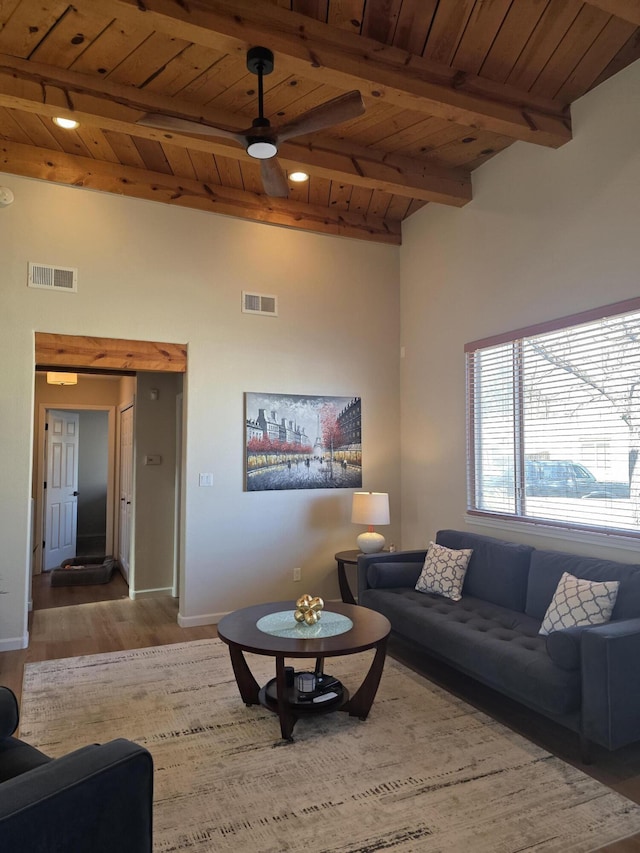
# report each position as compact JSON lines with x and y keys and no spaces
{"x":45,"y":596}
{"x":87,"y":620}
{"x":90,"y":620}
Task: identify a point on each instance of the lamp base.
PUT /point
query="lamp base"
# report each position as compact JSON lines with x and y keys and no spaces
{"x":370,"y":542}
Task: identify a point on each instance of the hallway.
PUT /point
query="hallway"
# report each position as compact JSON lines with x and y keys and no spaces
{"x":44,"y":596}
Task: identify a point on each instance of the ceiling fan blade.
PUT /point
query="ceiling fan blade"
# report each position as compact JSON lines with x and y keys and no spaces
{"x":335,"y":111}
{"x":274,"y":180}
{"x":182,"y":125}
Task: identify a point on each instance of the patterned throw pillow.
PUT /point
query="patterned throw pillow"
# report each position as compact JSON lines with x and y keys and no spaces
{"x":443,"y":571}
{"x":579,"y":602}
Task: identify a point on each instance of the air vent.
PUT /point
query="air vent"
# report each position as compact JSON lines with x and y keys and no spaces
{"x":259,"y":303}
{"x":48,"y":277}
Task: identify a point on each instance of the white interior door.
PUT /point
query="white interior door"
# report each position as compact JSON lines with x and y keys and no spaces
{"x":126,"y":489}
{"x":61,"y":487}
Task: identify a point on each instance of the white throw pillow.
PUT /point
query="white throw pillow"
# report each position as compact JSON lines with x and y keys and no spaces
{"x":443,"y":571}
{"x":577,"y":601}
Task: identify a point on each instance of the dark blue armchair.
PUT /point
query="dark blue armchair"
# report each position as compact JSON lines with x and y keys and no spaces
{"x":97,"y":799}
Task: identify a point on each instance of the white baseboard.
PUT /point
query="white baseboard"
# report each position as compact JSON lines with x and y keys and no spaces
{"x":134,"y":594}
{"x":212,"y":618}
{"x":202,"y":619}
{"x":12,"y":644}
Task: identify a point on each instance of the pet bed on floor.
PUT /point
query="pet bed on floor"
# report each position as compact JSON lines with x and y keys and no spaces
{"x":83,"y":571}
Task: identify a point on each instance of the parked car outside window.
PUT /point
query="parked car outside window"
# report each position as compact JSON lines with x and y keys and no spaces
{"x":566,"y":479}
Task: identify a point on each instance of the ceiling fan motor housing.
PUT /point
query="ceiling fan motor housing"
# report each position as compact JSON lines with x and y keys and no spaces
{"x":262,"y":145}
{"x":260,"y":60}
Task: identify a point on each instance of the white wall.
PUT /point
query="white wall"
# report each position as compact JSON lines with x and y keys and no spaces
{"x":148,"y":271}
{"x":549,"y":233}
{"x":155,"y":435}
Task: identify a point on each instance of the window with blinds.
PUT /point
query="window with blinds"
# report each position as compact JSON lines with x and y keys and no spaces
{"x":554,"y":422}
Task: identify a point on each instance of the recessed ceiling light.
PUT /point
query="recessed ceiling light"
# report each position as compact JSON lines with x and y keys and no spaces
{"x":67,"y":123}
{"x":298,"y":177}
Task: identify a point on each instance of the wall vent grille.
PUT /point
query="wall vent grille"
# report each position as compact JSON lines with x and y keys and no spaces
{"x":48,"y":277}
{"x":259,"y":303}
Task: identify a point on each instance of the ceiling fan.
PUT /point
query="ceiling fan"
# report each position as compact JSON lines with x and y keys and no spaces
{"x":261,"y":139}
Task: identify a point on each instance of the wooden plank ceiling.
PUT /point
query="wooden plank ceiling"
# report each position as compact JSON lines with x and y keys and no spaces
{"x":447,"y":84}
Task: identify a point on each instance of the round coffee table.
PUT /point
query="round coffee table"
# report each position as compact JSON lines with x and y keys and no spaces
{"x":240,"y":631}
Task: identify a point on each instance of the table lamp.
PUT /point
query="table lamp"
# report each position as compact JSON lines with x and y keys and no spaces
{"x":370,"y":508}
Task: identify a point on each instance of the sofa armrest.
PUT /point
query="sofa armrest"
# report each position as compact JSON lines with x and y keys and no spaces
{"x":563,"y":647}
{"x":611,"y":683}
{"x":96,"y":799}
{"x":8,"y":712}
{"x":405,"y":565}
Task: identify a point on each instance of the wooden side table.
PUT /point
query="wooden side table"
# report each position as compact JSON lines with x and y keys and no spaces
{"x":346,"y":558}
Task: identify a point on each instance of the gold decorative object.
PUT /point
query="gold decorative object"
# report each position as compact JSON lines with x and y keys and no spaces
{"x":308,"y":609}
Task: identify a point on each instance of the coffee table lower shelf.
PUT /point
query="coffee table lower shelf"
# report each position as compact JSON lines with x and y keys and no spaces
{"x":268,"y":697}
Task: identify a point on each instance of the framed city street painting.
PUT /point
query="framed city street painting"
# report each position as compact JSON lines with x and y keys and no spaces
{"x":300,"y":442}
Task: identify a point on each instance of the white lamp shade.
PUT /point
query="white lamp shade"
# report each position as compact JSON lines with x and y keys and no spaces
{"x":370,"y":508}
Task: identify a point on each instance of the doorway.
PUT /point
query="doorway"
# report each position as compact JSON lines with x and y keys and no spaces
{"x":144,"y":471}
{"x":156,"y":546}
{"x":51,"y":547}
{"x":76,"y":494}
{"x":73,"y":516}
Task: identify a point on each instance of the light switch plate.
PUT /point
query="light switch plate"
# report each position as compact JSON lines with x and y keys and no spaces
{"x":206,"y":479}
{"x":153,"y":459}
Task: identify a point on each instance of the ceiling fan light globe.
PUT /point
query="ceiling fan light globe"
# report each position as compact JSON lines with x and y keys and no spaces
{"x":261,"y":149}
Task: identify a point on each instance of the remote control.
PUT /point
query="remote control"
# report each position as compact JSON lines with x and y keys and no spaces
{"x":325,"y":697}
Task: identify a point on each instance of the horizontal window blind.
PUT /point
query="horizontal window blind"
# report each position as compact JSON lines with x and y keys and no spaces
{"x":554,"y":423}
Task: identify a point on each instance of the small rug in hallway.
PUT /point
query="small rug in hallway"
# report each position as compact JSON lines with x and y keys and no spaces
{"x":425,"y":773}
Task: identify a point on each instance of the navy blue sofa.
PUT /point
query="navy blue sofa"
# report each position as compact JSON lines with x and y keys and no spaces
{"x":97,"y":799}
{"x":585,"y":678}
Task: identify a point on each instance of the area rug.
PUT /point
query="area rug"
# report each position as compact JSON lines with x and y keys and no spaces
{"x":426,"y":772}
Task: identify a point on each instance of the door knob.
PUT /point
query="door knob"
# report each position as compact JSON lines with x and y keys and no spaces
{"x":75,"y":494}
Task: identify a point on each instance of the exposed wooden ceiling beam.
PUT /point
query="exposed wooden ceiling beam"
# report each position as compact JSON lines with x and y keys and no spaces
{"x":628,"y":10}
{"x":109,"y":353}
{"x":76,"y":171}
{"x":51,"y":91}
{"x":315,"y":50}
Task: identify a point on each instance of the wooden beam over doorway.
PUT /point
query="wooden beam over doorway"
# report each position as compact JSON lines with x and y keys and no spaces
{"x":80,"y":351}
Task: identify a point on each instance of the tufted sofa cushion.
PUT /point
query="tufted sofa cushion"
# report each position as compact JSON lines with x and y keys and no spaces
{"x":499,"y":646}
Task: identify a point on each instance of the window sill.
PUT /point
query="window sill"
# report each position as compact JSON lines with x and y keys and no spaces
{"x":539,"y":528}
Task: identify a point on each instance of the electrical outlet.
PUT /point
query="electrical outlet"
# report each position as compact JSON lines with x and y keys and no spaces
{"x":297,"y":574}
